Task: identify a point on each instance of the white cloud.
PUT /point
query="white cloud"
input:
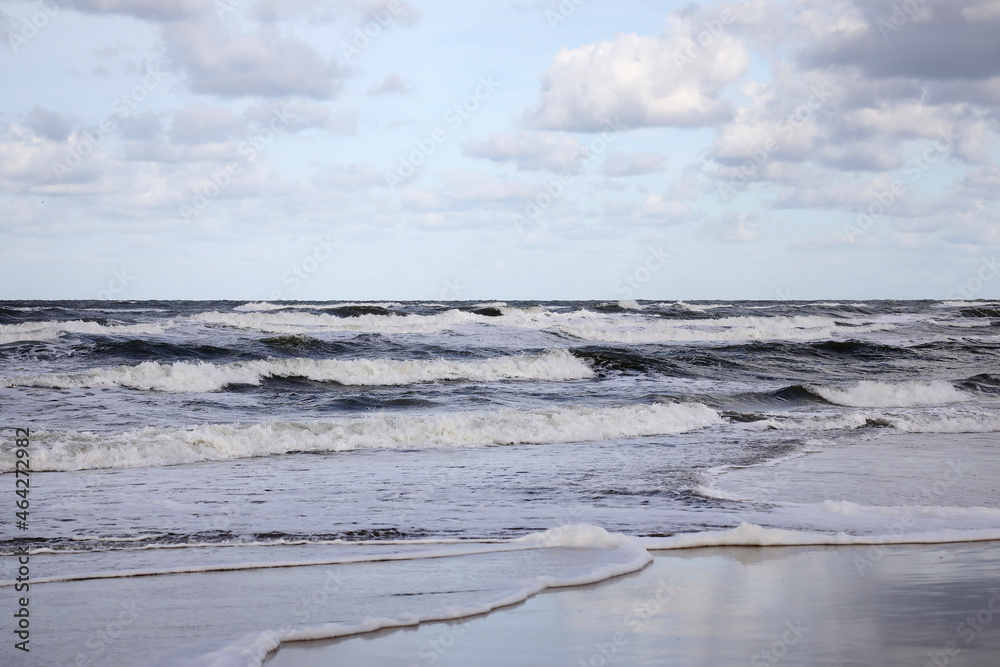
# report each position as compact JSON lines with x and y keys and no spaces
{"x":152,"y":10}
{"x":48,"y":124}
{"x":263,"y":63}
{"x":639,"y":81}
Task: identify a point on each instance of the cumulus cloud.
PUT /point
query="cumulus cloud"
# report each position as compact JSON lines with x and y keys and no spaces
{"x":48,"y":124}
{"x":956,"y":39}
{"x":264,"y":63}
{"x":151,"y":10}
{"x":531,"y":151}
{"x":640,"y":81}
{"x":386,"y":12}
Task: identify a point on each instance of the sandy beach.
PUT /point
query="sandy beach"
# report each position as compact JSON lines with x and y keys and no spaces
{"x":894,"y":605}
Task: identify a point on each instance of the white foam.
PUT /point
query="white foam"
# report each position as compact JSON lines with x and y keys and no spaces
{"x":185,"y":376}
{"x":615,"y":555}
{"x":948,"y":421}
{"x":869,"y":394}
{"x":633,"y":327}
{"x":630,"y":304}
{"x":462,"y":549}
{"x":212,"y":442}
{"x":831,"y":423}
{"x":961,"y":304}
{"x":289,"y":321}
{"x":953,"y":514}
{"x":51,"y":330}
{"x":954,"y":422}
{"x":623,"y":555}
{"x":801,"y":327}
{"x":700,"y":307}
{"x":752,"y":535}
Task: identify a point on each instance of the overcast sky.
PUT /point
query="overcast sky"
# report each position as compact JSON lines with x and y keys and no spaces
{"x":583,"y":149}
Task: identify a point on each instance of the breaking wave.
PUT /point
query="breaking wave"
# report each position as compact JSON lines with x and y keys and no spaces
{"x":183,"y":376}
{"x":155,"y":446}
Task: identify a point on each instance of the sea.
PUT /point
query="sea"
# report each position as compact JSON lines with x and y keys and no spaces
{"x":210,"y":479}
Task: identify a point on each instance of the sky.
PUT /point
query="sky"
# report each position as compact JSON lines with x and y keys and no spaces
{"x":509,"y":149}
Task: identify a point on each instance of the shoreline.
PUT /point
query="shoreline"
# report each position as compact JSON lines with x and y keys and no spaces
{"x":895,"y":604}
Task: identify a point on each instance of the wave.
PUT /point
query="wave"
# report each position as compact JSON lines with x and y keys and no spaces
{"x":870,"y":394}
{"x":984,"y":383}
{"x":948,"y":422}
{"x":801,"y":327}
{"x":140,"y":349}
{"x":753,"y":535}
{"x":605,"y":555}
{"x":49,"y":330}
{"x":290,"y":322}
{"x":833,"y":423}
{"x":66,"y":450}
{"x":984,"y":310}
{"x":264,"y":306}
{"x":621,"y":326}
{"x":609,"y":555}
{"x":185,"y":376}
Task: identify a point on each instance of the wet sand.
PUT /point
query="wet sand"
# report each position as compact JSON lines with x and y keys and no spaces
{"x":895,"y":605}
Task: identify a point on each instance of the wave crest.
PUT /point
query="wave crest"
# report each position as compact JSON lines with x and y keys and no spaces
{"x":60,"y":451}
{"x":186,"y":376}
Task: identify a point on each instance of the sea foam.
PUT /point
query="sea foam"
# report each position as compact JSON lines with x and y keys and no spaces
{"x":64,"y":450}
{"x":869,"y":394}
{"x":51,"y":330}
{"x":185,"y":376}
